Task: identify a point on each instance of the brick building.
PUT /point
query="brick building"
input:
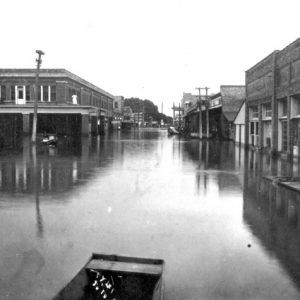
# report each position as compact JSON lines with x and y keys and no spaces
{"x":67,"y":104}
{"x":273,"y":101}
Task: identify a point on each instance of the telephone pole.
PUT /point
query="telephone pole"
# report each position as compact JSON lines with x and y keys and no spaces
{"x":207,"y":112}
{"x":39,"y":62}
{"x":200,"y":113}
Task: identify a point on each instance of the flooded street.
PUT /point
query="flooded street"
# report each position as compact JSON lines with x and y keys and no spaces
{"x":223,"y":230}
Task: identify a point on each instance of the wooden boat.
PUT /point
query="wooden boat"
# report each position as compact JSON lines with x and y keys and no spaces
{"x":114,"y":277}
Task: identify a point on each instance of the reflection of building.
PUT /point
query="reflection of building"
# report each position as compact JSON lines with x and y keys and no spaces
{"x":57,"y":170}
{"x":67,"y":103}
{"x":222,"y":109}
{"x":273,"y":101}
{"x":272,"y":213}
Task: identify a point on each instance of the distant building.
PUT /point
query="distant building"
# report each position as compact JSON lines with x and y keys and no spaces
{"x":118,"y":107}
{"x":128,"y":114}
{"x":138,"y":118}
{"x":222,"y":109}
{"x":67,"y":104}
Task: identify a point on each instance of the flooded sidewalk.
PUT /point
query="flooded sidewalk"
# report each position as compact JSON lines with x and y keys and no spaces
{"x":205,"y":208}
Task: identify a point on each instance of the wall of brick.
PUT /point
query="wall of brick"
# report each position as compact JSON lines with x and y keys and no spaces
{"x":259,"y":80}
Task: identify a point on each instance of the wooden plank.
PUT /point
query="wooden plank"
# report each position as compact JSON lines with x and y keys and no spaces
{"x":119,"y":266}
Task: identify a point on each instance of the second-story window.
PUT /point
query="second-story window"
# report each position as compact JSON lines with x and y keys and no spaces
{"x":27,"y":91}
{"x":20,"y":94}
{"x":254,"y":112}
{"x":284,"y":108}
{"x":116,"y":104}
{"x":52,"y":93}
{"x":268,"y":110}
{"x":2,"y":93}
{"x":12,"y":93}
{"x":45,"y":93}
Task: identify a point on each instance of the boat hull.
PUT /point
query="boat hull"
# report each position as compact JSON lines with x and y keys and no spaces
{"x":134,"y":278}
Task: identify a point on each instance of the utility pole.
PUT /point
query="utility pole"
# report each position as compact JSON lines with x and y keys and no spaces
{"x":207,"y":112}
{"x":173,"y":114}
{"x":200,"y":113}
{"x":39,"y":62}
{"x":179,"y":117}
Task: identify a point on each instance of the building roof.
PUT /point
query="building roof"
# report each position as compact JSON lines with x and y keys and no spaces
{"x":240,"y":112}
{"x":232,"y":98}
{"x":54,"y":73}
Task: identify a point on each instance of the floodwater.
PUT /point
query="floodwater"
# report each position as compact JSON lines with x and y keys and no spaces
{"x":223,"y":230}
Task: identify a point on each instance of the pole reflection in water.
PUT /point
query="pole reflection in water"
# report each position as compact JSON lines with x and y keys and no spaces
{"x":36,"y":185}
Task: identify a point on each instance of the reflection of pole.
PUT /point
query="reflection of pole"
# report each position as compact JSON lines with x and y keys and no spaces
{"x":39,"y":219}
{"x":207,"y":112}
{"x":200,"y":113}
{"x":39,"y":62}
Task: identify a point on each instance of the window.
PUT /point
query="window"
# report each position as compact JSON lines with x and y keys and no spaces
{"x":45,"y":93}
{"x":284,"y":108}
{"x":12,"y":92}
{"x":252,"y":128}
{"x":20,"y":92}
{"x":254,"y":112}
{"x":27,"y":91}
{"x":40,"y":93}
{"x":2,"y":92}
{"x":268,"y":110}
{"x":298,"y":107}
{"x":116,"y":104}
{"x":53,"y":93}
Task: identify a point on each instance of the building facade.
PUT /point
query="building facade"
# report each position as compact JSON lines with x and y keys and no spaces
{"x":239,"y":125}
{"x":67,"y":104}
{"x":273,"y":101}
{"x":218,"y":112}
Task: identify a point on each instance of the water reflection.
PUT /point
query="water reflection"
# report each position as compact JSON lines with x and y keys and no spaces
{"x":271,"y":212}
{"x":141,"y":193}
{"x":225,"y":166}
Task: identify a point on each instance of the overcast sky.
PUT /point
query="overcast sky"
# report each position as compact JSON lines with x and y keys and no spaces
{"x":153,"y":50}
